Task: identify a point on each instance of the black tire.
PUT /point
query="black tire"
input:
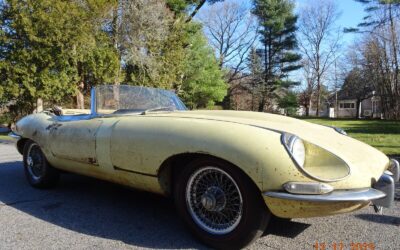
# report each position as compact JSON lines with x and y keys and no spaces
{"x":254,"y":215}
{"x":38,"y":171}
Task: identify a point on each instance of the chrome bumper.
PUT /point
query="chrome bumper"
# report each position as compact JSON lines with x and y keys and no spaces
{"x":386,"y":185}
{"x":366,"y":194}
{"x":394,"y":170}
{"x":382,"y":194}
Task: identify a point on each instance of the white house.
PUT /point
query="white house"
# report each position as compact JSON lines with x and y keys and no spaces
{"x":346,"y":107}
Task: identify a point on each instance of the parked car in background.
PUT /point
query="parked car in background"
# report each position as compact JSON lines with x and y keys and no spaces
{"x":227,"y":171}
{"x":4,"y":129}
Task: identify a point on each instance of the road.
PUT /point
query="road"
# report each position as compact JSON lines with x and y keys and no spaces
{"x":84,"y":213}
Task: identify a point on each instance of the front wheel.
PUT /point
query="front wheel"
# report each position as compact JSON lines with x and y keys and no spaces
{"x":220,"y":204}
{"x":38,"y":171}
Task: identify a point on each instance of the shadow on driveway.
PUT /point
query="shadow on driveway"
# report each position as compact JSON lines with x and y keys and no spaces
{"x":285,"y":228}
{"x":97,"y":208}
{"x":382,"y":219}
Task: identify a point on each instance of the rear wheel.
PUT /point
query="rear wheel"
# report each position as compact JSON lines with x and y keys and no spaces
{"x":220,"y":204}
{"x":38,"y":171}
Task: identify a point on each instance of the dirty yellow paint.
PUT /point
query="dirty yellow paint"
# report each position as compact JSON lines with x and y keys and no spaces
{"x":130,"y":150}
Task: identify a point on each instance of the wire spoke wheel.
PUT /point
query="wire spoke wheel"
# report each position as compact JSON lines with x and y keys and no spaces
{"x":214,"y":200}
{"x":38,"y":171}
{"x":35,"y":161}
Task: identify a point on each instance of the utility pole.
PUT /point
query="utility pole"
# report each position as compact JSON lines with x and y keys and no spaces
{"x":337,"y":90}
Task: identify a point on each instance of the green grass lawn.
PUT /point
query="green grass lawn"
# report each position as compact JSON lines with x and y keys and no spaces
{"x":381,"y":134}
{"x":4,"y":136}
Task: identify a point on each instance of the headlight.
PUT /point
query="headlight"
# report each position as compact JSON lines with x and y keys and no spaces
{"x":313,"y":161}
{"x":296,"y":148}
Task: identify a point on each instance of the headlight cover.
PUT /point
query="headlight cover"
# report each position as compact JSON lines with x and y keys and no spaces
{"x":296,"y":148}
{"x":313,"y":161}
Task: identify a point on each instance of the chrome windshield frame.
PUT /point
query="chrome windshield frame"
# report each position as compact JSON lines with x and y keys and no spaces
{"x":94,"y":111}
{"x":93,"y":108}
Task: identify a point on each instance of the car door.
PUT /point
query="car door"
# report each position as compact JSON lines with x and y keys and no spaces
{"x":134,"y":145}
{"x":74,"y":139}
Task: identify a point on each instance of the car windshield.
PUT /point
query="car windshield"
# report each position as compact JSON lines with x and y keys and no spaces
{"x":125,"y":99}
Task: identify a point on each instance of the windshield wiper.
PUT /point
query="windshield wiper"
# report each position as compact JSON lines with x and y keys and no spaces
{"x":157,"y":109}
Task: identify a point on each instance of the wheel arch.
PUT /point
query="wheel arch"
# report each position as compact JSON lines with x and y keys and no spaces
{"x":170,"y":168}
{"x":21,"y":144}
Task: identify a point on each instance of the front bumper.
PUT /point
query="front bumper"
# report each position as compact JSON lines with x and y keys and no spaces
{"x":286,"y":205}
{"x":361,"y":195}
{"x":394,"y":170}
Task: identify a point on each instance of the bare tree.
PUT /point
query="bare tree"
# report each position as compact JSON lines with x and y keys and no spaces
{"x":319,"y":40}
{"x":306,"y":94}
{"x":381,"y":67}
{"x":198,"y":5}
{"x":382,"y":53}
{"x":232,"y":31}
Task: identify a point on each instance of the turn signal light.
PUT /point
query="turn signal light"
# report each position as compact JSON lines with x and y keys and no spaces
{"x":307,"y":188}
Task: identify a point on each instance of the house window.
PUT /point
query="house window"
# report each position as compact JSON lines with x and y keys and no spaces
{"x":347,"y":105}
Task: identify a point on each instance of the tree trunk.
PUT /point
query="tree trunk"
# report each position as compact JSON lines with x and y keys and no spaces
{"x":198,"y":7}
{"x":394,"y":47}
{"x":115,"y":34}
{"x":336,"y":106}
{"x":80,"y":100}
{"x":318,"y":93}
{"x":39,"y":105}
{"x":318,"y":99}
{"x":358,"y":109}
{"x":261,"y":104}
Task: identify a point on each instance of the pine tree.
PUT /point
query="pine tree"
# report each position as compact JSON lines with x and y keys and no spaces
{"x":48,"y":48}
{"x":202,"y":82}
{"x":55,"y":50}
{"x":277,"y":32}
{"x":255,"y":65}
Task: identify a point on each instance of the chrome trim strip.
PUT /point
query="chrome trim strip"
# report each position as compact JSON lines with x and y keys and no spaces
{"x":14,"y":136}
{"x":366,"y":194}
{"x":134,"y":172}
{"x":302,"y":169}
{"x":93,"y":109}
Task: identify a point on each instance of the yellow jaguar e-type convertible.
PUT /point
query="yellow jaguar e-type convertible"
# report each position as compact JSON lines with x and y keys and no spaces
{"x":227,"y":171}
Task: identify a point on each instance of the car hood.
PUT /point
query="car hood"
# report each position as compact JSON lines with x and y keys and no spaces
{"x":352,"y":151}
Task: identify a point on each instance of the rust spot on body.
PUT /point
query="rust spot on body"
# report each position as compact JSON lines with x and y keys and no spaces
{"x":92,"y":160}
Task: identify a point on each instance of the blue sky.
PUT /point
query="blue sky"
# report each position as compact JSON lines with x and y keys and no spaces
{"x":352,"y":14}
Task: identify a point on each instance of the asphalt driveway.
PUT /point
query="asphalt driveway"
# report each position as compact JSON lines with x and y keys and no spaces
{"x":84,"y":213}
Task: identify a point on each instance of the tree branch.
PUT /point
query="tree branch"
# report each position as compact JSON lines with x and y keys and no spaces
{"x":198,"y":7}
